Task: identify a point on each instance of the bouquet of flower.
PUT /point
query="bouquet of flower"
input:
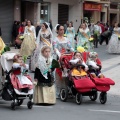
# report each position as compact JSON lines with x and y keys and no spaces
{"x":55,"y":64}
{"x":21,"y":37}
{"x":6,"y":48}
{"x":24,"y":59}
{"x":91,"y":39}
{"x":80,"y":49}
{"x":119,"y":37}
{"x":65,"y":35}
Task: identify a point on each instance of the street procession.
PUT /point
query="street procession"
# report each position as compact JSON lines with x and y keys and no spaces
{"x":66,"y":68}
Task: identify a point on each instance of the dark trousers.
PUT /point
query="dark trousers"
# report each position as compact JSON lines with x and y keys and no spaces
{"x":95,"y":40}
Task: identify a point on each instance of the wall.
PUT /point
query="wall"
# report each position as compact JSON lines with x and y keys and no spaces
{"x":17,"y":10}
{"x":75,"y":15}
{"x":6,"y":19}
{"x":75,"y":9}
{"x":113,"y":11}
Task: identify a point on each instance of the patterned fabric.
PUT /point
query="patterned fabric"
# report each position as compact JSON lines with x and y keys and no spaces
{"x":114,"y":43}
{"x":44,"y":66}
{"x":70,"y":32}
{"x":30,"y":30}
{"x":34,"y":58}
{"x":28,"y":45}
{"x":62,"y":46}
{"x":83,"y":36}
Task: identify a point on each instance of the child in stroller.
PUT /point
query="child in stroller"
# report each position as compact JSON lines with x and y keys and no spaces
{"x":18,"y":86}
{"x":94,"y":65}
{"x":78,"y":83}
{"x":78,"y":66}
{"x":24,"y":83}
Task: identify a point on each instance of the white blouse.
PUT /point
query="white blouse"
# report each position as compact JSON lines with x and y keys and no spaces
{"x":31,"y":28}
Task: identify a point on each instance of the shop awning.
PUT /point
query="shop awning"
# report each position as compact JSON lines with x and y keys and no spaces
{"x":92,"y":7}
{"x":39,"y":1}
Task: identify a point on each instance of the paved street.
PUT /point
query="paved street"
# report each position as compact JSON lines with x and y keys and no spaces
{"x":86,"y":111}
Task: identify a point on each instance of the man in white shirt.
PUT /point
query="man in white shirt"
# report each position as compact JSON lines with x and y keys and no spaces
{"x":97,"y":32}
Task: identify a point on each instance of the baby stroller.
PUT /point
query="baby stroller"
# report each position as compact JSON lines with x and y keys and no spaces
{"x":76,"y":87}
{"x":8,"y":92}
{"x":102,"y":84}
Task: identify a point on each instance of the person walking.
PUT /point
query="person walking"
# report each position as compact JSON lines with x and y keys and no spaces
{"x":44,"y":38}
{"x":70,"y":32}
{"x":61,"y":45}
{"x":97,"y":33}
{"x":38,"y":27}
{"x":28,"y":44}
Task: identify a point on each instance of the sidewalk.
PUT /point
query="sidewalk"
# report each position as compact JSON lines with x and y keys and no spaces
{"x":111,"y":70}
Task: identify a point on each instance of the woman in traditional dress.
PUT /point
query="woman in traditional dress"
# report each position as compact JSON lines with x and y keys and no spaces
{"x":44,"y":38}
{"x":44,"y":90}
{"x":70,"y":32}
{"x":28,"y":44}
{"x":84,"y":36}
{"x":2,"y":44}
{"x":60,"y":44}
{"x":114,"y":43}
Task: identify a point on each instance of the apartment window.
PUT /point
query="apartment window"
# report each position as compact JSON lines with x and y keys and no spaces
{"x":45,"y":12}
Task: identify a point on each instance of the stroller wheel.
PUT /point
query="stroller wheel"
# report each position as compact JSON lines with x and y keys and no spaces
{"x":103,"y":97}
{"x":78,"y":98}
{"x":63,"y":94}
{"x":13,"y":106}
{"x":29,"y":105}
{"x":94,"y":96}
{"x":19,"y":102}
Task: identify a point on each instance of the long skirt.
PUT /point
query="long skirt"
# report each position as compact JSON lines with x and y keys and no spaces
{"x":114,"y":44}
{"x":44,"y":95}
{"x":2,"y":45}
{"x":28,"y":46}
{"x":71,"y":39}
{"x":60,"y":83}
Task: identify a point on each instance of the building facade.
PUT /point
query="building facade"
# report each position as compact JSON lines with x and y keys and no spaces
{"x":114,"y":11}
{"x":96,"y":10}
{"x":59,"y":11}
{"x":6,"y":19}
{"x":14,"y":10}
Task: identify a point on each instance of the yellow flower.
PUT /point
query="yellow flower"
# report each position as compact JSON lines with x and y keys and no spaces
{"x":80,"y":49}
{"x":91,"y":39}
{"x":21,"y":37}
{"x":119,"y":37}
{"x":65,"y":35}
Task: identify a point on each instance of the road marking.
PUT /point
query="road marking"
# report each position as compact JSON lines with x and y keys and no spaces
{"x":107,"y":111}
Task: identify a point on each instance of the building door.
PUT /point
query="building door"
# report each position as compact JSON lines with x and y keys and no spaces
{"x":89,"y":15}
{"x":27,"y":11}
{"x":113,"y":18}
{"x":63,"y":13}
{"x":102,"y":17}
{"x":6,"y":19}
